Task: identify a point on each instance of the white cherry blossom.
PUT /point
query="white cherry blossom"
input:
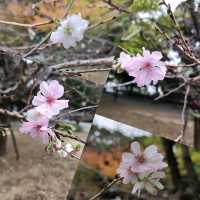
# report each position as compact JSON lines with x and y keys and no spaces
{"x":70,"y":31}
{"x":65,"y":150}
{"x":149,"y":182}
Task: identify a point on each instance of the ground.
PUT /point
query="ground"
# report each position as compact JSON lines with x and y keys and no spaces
{"x":37,"y":175}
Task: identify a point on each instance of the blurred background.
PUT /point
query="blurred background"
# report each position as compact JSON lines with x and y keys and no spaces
{"x":107,"y":141}
{"x":137,"y":106}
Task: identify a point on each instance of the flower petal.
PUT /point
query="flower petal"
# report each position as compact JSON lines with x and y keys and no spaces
{"x":44,"y":89}
{"x":61,"y":104}
{"x":45,"y":137}
{"x":150,"y":151}
{"x":38,"y":100}
{"x":157,"y":55}
{"x":135,"y":148}
{"x":57,"y":36}
{"x":56,"y":89}
{"x":150,"y":188}
{"x":26,"y":127}
{"x":35,"y":114}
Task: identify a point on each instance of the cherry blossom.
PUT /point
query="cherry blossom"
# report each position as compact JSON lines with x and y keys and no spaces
{"x":126,"y":61}
{"x":139,"y":161}
{"x":36,"y":128}
{"x":66,"y":150}
{"x":47,"y":105}
{"x":70,"y":31}
{"x":139,"y":164}
{"x":145,"y":69}
{"x":35,"y":114}
{"x":149,"y":182}
{"x":47,"y":98}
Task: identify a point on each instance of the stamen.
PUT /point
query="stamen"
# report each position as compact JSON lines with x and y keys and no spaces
{"x":68,"y":31}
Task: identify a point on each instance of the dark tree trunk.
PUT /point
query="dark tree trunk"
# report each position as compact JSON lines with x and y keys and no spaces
{"x":197,"y":133}
{"x":3,"y":136}
{"x":189,"y":165}
{"x":191,"y":173}
{"x":173,"y":165}
{"x":3,"y":143}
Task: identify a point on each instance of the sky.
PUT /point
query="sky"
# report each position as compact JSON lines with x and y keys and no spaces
{"x":111,"y":125}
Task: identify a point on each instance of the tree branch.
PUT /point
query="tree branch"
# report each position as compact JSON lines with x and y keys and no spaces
{"x":106,"y":188}
{"x":73,"y":137}
{"x":90,"y":62}
{"x":26,"y":25}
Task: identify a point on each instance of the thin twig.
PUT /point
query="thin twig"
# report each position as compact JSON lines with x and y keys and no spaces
{"x":87,"y":71}
{"x":186,"y":81}
{"x":106,"y":188}
{"x":26,"y":25}
{"x":10,"y":89}
{"x":22,"y":48}
{"x":78,"y":63}
{"x":183,"y":65}
{"x":11,"y":113}
{"x":38,"y":45}
{"x":117,"y":7}
{"x":73,"y":137}
{"x":81,"y":94}
{"x":184,"y":116}
{"x":83,"y":108}
{"x":172,"y":16}
{"x":76,"y":110}
{"x":190,"y":57}
{"x":68,"y":7}
{"x":196,"y":78}
{"x":170,"y":92}
{"x":122,"y":84}
{"x":102,"y":22}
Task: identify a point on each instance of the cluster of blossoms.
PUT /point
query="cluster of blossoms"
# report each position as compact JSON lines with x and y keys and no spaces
{"x":143,"y":169}
{"x":70,"y":31}
{"x":46,"y":104}
{"x":145,"y":69}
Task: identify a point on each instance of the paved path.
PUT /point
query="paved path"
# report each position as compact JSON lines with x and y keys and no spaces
{"x":158,"y":118}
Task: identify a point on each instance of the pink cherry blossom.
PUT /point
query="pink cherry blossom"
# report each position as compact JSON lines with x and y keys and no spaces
{"x":47,"y":98}
{"x":129,"y":64}
{"x":125,"y":60}
{"x":36,"y":128}
{"x":139,"y":161}
{"x":145,"y":69}
{"x":35,"y":114}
